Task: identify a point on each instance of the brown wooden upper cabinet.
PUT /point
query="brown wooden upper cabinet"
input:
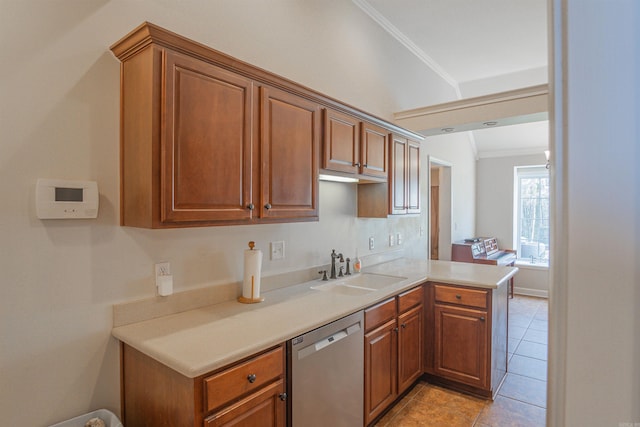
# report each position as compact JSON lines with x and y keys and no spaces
{"x":354,"y":146}
{"x":202,"y":145}
{"x":405,"y":179}
{"x":207,"y":139}
{"x":290,"y":147}
{"x":401,"y":194}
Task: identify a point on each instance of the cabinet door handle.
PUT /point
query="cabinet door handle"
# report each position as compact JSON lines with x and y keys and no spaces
{"x":250,"y":206}
{"x":283,"y":396}
{"x":395,"y":329}
{"x":357,"y":164}
{"x":267,"y":206}
{"x":251,"y":378}
{"x":482,"y":318}
{"x":404,"y":325}
{"x":365,"y":165}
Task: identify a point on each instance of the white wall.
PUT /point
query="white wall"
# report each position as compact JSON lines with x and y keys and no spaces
{"x":494,"y":213}
{"x":60,"y":119}
{"x":455,"y":149}
{"x":595,"y":291}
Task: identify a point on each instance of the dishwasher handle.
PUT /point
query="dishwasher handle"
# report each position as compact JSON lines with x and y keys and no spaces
{"x":329,"y":340}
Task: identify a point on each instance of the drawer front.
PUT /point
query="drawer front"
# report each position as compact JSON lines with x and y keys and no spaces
{"x":461,"y":296}
{"x":410,"y":299}
{"x":379,"y":314}
{"x":244,"y":378}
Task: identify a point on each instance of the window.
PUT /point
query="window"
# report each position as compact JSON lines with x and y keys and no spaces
{"x":532,"y":214}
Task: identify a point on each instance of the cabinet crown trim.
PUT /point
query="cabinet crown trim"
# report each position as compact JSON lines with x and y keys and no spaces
{"x":148,"y":33}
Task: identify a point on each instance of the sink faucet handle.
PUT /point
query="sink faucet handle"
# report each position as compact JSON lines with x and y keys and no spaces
{"x":341,"y":274}
{"x":324,"y":274}
{"x":348,"y":272}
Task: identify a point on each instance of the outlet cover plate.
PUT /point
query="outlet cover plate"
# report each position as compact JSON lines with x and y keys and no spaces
{"x":277,"y":250}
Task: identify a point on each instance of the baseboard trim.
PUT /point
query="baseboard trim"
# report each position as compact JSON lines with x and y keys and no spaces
{"x":531,"y":292}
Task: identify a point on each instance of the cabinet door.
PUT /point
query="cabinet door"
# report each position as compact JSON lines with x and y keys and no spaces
{"x":410,"y":347}
{"x":341,"y":148}
{"x":461,"y":345}
{"x":375,"y":149}
{"x":398,"y":184}
{"x":264,"y":408}
{"x":380,"y":364}
{"x":413,"y":177}
{"x":205,"y":150}
{"x":290,"y":149}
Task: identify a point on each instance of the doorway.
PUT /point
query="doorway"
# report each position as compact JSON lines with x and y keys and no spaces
{"x":439,"y":209}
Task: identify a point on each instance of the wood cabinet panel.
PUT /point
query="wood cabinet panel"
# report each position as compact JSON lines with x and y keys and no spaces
{"x":379,"y":314}
{"x":206,"y":144}
{"x":462,"y":296}
{"x":413,"y":178}
{"x":374,"y":149}
{"x":290,"y":148}
{"x":380,"y":388}
{"x":341,"y":149}
{"x":243,"y":378}
{"x":461,"y":345}
{"x":398,"y":196}
{"x":410,"y":347}
{"x":264,"y":408}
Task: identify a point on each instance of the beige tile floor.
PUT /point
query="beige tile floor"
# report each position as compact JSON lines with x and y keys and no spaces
{"x":521,"y":400}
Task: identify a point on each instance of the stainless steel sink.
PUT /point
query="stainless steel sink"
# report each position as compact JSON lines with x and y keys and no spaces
{"x":358,"y":284}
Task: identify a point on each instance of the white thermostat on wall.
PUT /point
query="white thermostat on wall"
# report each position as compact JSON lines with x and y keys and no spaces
{"x":63,"y":199}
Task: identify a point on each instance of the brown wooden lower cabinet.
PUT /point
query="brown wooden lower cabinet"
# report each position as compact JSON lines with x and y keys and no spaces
{"x":249,"y":393}
{"x":466,"y":348}
{"x":393,"y":350}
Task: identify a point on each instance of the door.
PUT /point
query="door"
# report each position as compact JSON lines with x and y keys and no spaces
{"x":341,"y":147}
{"x":398,"y":184}
{"x":375,"y":149}
{"x":410,"y":347}
{"x":380,"y":364}
{"x":206,"y":152}
{"x":290,"y":149}
{"x":461,"y":345}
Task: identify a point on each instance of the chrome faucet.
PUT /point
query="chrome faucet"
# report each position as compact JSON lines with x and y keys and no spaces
{"x":334,"y":256}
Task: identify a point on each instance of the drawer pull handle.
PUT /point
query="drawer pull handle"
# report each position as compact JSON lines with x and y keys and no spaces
{"x":482,"y":319}
{"x":458,"y":296}
{"x":252,"y":378}
{"x":250,"y":206}
{"x":267,"y":206}
{"x":283,"y":396}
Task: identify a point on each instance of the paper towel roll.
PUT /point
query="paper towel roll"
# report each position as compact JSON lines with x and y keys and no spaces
{"x":252,"y":269}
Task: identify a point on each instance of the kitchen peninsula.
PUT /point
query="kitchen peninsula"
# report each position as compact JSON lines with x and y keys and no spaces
{"x":187,"y":353}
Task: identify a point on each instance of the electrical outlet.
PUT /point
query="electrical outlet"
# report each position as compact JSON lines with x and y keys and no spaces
{"x":277,"y":250}
{"x":399,"y":238}
{"x":371,"y":243}
{"x":391,"y":240}
{"x":163,"y":269}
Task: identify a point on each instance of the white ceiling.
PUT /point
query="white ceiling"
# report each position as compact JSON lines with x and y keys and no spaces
{"x":480,"y":47}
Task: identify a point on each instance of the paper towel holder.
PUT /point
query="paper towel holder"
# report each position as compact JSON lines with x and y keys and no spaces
{"x":244,"y":299}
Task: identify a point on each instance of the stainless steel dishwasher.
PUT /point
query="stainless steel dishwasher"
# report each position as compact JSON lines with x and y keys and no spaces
{"x":327,"y":375}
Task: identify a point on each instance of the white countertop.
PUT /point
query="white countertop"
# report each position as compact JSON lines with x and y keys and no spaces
{"x":198,"y":341}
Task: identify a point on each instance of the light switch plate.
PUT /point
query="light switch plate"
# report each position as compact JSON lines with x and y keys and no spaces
{"x":399,"y":238}
{"x":391,"y":240}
